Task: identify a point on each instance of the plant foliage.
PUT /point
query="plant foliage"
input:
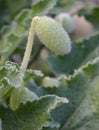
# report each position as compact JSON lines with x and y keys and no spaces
{"x":67,"y":97}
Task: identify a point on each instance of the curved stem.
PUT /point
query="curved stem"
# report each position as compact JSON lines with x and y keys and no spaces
{"x":28,"y":50}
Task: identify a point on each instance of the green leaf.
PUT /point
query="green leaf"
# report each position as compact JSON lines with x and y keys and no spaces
{"x":31,"y":116}
{"x":82,"y":91}
{"x":62,"y":6}
{"x":9,"y":78}
{"x":29,"y":74}
{"x":91,"y":125}
{"x":82,"y":52}
{"x":43,"y":6}
{"x":12,"y":77}
{"x":10,"y":73}
{"x":21,"y":4}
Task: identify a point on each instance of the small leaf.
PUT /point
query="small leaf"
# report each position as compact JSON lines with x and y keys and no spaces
{"x":43,"y":6}
{"x":12,"y":77}
{"x":10,"y":73}
{"x":32,"y":115}
{"x":9,"y":78}
{"x":28,"y":74}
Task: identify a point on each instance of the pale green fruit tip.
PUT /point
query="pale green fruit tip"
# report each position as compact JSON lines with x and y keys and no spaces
{"x":66,"y":21}
{"x":50,"y":82}
{"x":53,"y":36}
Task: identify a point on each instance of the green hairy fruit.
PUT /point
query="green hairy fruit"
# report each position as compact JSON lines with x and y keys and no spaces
{"x":53,"y":36}
{"x":66,"y":21}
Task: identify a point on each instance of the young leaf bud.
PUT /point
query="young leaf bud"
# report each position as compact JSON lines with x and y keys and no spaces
{"x":53,"y":36}
{"x":66,"y":21}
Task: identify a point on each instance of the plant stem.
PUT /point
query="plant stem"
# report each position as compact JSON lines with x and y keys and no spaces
{"x":2,"y":60}
{"x":28,"y":50}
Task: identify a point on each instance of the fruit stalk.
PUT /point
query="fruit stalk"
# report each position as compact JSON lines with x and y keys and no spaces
{"x":28,"y":50}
